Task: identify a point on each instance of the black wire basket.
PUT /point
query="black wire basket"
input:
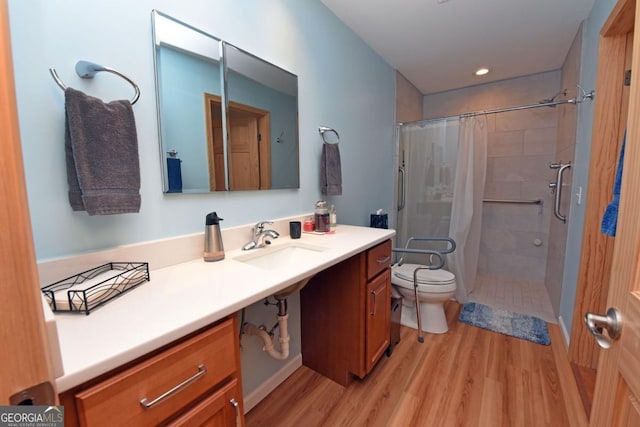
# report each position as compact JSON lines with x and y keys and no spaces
{"x":90,"y":289}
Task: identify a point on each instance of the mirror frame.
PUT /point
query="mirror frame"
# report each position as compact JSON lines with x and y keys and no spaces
{"x":224,"y":156}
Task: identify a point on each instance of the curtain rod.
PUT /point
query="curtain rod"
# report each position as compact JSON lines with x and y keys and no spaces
{"x":576,"y":100}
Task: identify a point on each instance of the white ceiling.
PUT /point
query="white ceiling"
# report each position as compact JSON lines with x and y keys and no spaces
{"x":438,"y":44}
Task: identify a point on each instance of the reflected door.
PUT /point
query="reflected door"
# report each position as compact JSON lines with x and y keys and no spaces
{"x":249,"y":148}
{"x":244,"y":157}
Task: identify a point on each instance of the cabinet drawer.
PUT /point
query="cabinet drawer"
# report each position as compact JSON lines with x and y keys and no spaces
{"x":198,"y":364}
{"x":378,"y":258}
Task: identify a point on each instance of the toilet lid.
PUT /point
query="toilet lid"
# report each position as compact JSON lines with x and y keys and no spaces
{"x":439,"y":277}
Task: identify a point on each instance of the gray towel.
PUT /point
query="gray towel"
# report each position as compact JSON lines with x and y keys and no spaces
{"x":331,"y":170}
{"x":101,"y":147}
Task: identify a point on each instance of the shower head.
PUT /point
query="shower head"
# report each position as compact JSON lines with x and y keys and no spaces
{"x":553,"y":98}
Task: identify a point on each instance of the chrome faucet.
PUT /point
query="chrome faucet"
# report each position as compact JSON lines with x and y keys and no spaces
{"x":260,"y":236}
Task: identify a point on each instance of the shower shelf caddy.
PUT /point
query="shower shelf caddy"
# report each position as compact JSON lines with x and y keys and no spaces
{"x":90,"y":289}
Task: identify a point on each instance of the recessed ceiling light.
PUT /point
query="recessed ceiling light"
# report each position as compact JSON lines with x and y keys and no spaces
{"x":482,"y":71}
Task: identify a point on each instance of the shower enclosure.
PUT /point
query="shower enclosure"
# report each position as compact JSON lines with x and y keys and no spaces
{"x":442,"y":167}
{"x":519,"y":261}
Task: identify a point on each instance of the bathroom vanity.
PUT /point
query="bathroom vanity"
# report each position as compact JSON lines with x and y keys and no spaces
{"x":158,"y":339}
{"x":195,"y":381}
{"x":345,"y":313}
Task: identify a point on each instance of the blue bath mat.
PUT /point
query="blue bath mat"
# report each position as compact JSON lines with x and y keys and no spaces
{"x":505,"y":322}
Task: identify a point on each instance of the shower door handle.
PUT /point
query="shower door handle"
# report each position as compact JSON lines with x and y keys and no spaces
{"x":403,"y":194}
{"x":557,"y":186}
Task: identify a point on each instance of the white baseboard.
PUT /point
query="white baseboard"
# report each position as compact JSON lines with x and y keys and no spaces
{"x":256,"y":396}
{"x":563,"y":328}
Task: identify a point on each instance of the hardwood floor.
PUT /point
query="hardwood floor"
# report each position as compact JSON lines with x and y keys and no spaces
{"x":467,"y":377}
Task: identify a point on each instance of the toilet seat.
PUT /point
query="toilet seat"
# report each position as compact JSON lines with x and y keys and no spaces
{"x":429,"y":281}
{"x":428,"y":277}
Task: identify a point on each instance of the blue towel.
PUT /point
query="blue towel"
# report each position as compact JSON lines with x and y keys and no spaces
{"x":610,"y":218}
{"x":174,"y":172}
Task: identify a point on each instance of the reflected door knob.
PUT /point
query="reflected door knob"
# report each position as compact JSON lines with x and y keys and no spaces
{"x":597,"y":323}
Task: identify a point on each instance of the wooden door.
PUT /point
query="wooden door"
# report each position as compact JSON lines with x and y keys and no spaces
{"x":248,"y":146}
{"x":618,"y":382}
{"x":24,"y":355}
{"x":610,"y":120}
{"x":244,"y":158}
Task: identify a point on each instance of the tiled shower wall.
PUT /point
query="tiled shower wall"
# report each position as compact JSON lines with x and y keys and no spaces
{"x":521,"y":144}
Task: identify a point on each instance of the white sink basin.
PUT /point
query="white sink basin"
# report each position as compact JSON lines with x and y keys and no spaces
{"x":271,"y":258}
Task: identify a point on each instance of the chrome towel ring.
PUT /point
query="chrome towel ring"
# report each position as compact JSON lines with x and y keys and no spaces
{"x":328,"y":140}
{"x":87,"y":70}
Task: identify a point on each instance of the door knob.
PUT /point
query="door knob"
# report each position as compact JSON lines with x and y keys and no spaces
{"x":612,"y":322}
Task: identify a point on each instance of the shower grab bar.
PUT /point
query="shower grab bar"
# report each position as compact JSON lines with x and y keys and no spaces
{"x":522,"y":202}
{"x":403,"y":193}
{"x":556,"y":187}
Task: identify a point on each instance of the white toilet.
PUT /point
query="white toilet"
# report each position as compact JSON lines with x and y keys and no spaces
{"x":434,"y":288}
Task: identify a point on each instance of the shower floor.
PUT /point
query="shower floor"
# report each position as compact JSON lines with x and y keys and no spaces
{"x":520,"y":296}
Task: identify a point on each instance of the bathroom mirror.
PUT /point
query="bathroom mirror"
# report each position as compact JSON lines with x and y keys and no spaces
{"x":206,"y":86}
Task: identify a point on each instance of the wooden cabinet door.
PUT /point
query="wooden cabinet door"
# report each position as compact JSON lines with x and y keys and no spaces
{"x":377,"y":323}
{"x":221,"y":409}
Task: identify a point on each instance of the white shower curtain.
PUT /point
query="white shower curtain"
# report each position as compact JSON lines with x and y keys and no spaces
{"x":466,"y":211}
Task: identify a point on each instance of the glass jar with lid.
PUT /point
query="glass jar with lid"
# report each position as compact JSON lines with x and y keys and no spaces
{"x":321,"y":216}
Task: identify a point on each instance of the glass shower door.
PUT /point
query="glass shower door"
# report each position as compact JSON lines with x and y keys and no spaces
{"x":427,"y":154}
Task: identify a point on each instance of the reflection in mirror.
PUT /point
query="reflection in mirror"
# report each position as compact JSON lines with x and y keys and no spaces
{"x":188,"y":67}
{"x":262,"y":131}
{"x":262,"y":115}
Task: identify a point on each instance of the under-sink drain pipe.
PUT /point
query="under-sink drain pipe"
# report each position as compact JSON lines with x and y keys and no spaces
{"x":267,"y":338}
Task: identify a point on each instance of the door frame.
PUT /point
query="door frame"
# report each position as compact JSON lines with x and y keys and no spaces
{"x":24,"y":354}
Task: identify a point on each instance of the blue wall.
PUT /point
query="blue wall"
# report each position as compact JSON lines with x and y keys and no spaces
{"x":589,"y":64}
{"x":342,"y":84}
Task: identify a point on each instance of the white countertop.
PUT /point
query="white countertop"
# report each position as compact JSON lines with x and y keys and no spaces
{"x":185,"y":297}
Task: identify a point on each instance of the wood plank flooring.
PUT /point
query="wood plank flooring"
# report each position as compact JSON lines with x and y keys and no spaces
{"x":467,"y":377}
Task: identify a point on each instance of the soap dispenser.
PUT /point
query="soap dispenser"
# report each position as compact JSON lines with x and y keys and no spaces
{"x":213,"y":249}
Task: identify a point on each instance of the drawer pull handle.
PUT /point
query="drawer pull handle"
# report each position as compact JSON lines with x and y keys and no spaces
{"x":235,"y":404}
{"x":147,"y":405}
{"x":383,"y":260}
